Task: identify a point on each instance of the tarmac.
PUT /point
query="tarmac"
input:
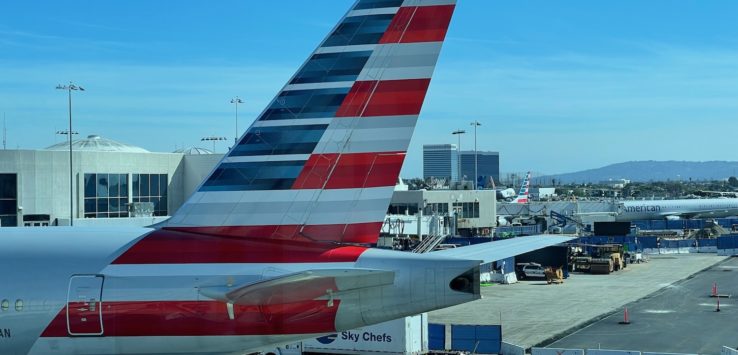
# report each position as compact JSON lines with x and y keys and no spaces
{"x":681,"y":318}
{"x":534,"y":313}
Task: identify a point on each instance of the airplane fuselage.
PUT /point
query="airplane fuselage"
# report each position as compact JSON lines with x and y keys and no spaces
{"x":666,"y":209}
{"x":104,"y":291}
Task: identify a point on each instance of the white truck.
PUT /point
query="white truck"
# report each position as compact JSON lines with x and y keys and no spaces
{"x":405,"y":336}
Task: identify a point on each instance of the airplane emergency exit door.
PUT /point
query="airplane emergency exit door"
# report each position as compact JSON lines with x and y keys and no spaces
{"x":84,"y":305}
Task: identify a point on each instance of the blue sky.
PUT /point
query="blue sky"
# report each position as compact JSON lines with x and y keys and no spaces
{"x":559,"y":86}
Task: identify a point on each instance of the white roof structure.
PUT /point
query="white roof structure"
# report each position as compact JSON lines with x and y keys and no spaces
{"x":193,"y":151}
{"x":95,"y":143}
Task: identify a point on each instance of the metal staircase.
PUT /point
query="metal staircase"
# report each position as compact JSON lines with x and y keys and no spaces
{"x":429,"y":243}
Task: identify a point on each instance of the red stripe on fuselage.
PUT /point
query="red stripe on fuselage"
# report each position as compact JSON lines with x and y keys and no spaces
{"x":353,"y":170}
{"x":384,"y":98}
{"x":228,"y":245}
{"x":419,"y":24}
{"x":203,"y":318}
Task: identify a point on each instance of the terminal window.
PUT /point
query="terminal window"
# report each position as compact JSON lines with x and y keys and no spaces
{"x":151,"y":188}
{"x":438,"y":208}
{"x":403,"y":208}
{"x":8,"y":200}
{"x":467,"y":209}
{"x":106,"y":195}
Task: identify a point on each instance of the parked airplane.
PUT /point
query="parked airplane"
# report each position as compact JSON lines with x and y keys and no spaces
{"x":271,"y":248}
{"x":524,"y":191}
{"x":677,"y":209}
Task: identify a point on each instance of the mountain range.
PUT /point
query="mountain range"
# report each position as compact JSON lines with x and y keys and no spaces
{"x":645,"y":171}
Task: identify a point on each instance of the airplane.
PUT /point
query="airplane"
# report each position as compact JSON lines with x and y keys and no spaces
{"x":628,"y":211}
{"x":273,"y":246}
{"x":524,"y":191}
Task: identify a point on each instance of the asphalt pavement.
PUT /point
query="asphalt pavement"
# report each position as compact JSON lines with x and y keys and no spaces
{"x":533,"y":313}
{"x":680,"y":318}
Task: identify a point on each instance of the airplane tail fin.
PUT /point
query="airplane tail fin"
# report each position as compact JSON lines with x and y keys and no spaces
{"x":321,"y":161}
{"x":524,"y":191}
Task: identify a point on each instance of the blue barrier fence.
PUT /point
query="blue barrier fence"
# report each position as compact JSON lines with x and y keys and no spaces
{"x":727,"y":223}
{"x":463,"y":241}
{"x":727,"y":242}
{"x":436,"y":336}
{"x":482,"y":339}
{"x":632,"y":243}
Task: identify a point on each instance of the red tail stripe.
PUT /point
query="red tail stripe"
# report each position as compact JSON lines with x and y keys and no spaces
{"x":203,"y":318}
{"x":353,"y":104}
{"x":419,"y":24}
{"x":398,"y":25}
{"x":384,"y":98}
{"x":218,"y":245}
{"x":346,"y":171}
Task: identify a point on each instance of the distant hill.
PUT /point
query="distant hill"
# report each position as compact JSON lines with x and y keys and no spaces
{"x":644,"y":171}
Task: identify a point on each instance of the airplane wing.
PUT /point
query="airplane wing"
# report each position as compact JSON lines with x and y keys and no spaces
{"x":301,"y":286}
{"x":502,"y":249}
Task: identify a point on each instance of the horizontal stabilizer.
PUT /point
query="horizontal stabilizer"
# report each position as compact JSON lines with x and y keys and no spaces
{"x":502,"y":249}
{"x":301,"y":286}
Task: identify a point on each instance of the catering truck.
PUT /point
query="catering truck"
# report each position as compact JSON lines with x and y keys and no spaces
{"x":404,"y":336}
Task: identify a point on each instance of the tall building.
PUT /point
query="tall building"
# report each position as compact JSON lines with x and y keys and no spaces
{"x":488,"y":164}
{"x":440,"y":161}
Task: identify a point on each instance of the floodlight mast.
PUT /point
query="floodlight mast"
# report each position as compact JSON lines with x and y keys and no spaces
{"x":458,"y":133}
{"x":69,"y":88}
{"x":235,"y":101}
{"x":213,"y":139}
{"x":476,"y":173}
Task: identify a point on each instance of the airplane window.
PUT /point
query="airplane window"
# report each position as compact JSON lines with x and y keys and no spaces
{"x":4,"y":305}
{"x":18,"y":305}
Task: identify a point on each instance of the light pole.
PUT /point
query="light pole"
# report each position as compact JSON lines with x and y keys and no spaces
{"x":213,"y":139}
{"x":71,"y":87}
{"x":458,"y":133}
{"x":235,"y":101}
{"x":476,"y":174}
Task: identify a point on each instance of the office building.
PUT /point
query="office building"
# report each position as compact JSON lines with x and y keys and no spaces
{"x":440,"y":161}
{"x":488,"y":165}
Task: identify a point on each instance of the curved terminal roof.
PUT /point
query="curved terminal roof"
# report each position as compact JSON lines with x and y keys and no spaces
{"x":193,"y":151}
{"x":95,"y":143}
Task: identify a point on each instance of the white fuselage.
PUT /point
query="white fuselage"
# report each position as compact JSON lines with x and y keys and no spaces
{"x":664,"y":209}
{"x":49,"y":269}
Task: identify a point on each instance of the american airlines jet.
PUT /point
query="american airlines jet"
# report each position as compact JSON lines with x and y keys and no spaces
{"x":273,"y":245}
{"x":676,"y":209}
{"x":524,"y":191}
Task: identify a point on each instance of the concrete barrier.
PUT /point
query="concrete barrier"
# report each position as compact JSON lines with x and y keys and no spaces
{"x":704,"y":249}
{"x":555,"y":351}
{"x":727,"y":252}
{"x":664,"y":251}
{"x":728,"y":351}
{"x":611,"y":352}
{"x":511,"y":349}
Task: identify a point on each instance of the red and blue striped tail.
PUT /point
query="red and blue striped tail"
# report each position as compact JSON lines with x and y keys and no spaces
{"x":321,"y":161}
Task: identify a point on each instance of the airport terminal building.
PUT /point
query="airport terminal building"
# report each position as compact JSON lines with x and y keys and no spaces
{"x":108,"y":177}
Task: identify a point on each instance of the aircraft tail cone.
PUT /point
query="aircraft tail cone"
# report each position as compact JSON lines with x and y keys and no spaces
{"x":626,"y":318}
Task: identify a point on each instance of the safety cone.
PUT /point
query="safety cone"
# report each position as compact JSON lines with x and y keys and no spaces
{"x":626,"y":319}
{"x":718,"y":305}
{"x":714,"y":290}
